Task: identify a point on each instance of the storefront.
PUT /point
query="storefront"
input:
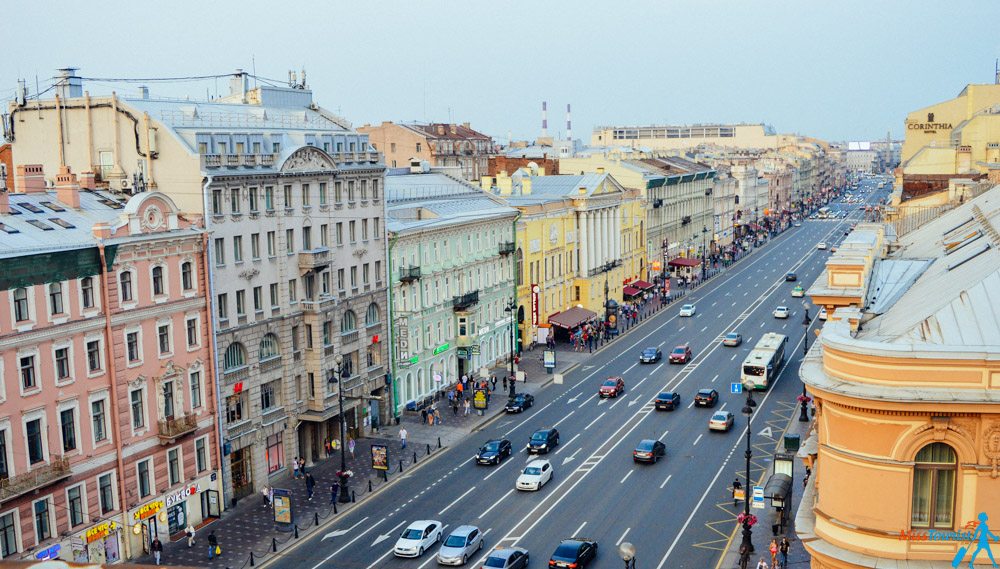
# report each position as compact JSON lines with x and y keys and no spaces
{"x":99,"y":544}
{"x":167,"y":516}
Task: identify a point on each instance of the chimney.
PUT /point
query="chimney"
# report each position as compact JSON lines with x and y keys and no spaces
{"x":30,"y":179}
{"x":467,"y":126}
{"x":440,"y":130}
{"x":569,"y":124}
{"x":526,"y":186}
{"x":454,"y":129}
{"x":4,"y":202}
{"x":238,"y":84}
{"x":67,"y":189}
{"x":545,"y":119}
{"x":88,"y":181}
{"x":68,"y":84}
{"x":143,"y":92}
{"x":101,"y":230}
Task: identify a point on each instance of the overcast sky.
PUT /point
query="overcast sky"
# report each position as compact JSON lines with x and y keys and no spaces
{"x":838,"y":70}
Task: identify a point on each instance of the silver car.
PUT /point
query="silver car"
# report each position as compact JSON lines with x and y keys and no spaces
{"x":461,"y":543}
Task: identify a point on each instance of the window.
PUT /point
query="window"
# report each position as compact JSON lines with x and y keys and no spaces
{"x":94,"y":355}
{"x":107,"y":493}
{"x":350,"y":191}
{"x":374,"y":356}
{"x":273,"y":293}
{"x":364,"y":230}
{"x":195,"y":382}
{"x":289,"y":241}
{"x":43,"y":527}
{"x":56,"y":298}
{"x":255,"y":246}
{"x":327,"y":333}
{"x":305,"y":195}
{"x":934,"y":487}
{"x":364,"y":189}
{"x":216,"y":202}
{"x":28,"y":379}
{"x":349,"y":322}
{"x":252,"y":194}
{"x":376,"y":227}
{"x":201,"y":454}
{"x":62,"y":363}
{"x":238,"y":249}
{"x":371,"y":315}
{"x":143,"y":473}
{"x":137,"y":406}
{"x":418,"y":147}
{"x":234,"y":407}
{"x":340,"y":279}
{"x":33,"y":432}
{"x":354,"y":277}
{"x":67,"y":424}
{"x":306,"y":238}
{"x":125,"y":283}
{"x":322,"y":193}
{"x":157,"y":281}
{"x":352,"y":232}
{"x":378,"y":271}
{"x":4,"y":469}
{"x":375,"y":190}
{"x":309,"y":336}
{"x":270,"y":244}
{"x":174,"y":474}
{"x":132,"y":346}
{"x":268,"y":347}
{"x":268,"y":396}
{"x":223,"y":307}
{"x":163,"y":338}
{"x":338,"y":193}
{"x":293,"y":295}
{"x":295,"y":338}
{"x":275,"y":453}
{"x":365,"y":274}
{"x":325,"y":276}
{"x":241,"y":303}
{"x":187,"y":282}
{"x":340,"y":233}
{"x":269,"y":198}
{"x":288,"y":196}
{"x":236,"y":356}
{"x":8,"y":535}
{"x":220,"y":252}
{"x":97,"y":415}
{"x":87,"y":289}
{"x":258,"y":299}
{"x":74,"y":501}
{"x":191,"y":325}
{"x":234,"y":200}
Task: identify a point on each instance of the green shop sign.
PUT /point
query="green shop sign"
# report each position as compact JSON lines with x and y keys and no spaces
{"x":441,"y":348}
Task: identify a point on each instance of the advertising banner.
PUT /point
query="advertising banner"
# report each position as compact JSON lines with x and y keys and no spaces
{"x":479,"y":399}
{"x":380,"y":457}
{"x":282,"y":500}
{"x":549,"y":358}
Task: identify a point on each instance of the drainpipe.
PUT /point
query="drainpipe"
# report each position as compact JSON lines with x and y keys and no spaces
{"x":391,"y":244}
{"x":116,"y":430}
{"x":513,"y":313}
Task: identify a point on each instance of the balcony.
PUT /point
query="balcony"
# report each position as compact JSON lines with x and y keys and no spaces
{"x":314,"y":260}
{"x":349,"y":337}
{"x":211,"y":160}
{"x":232,"y":160}
{"x":39,"y":476}
{"x":266,"y":160}
{"x":409,"y":274}
{"x":686,"y":220}
{"x":507,"y":248}
{"x":248,"y":160}
{"x":466,"y":301}
{"x":172,"y":429}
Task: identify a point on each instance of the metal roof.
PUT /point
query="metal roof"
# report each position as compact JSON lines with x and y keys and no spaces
{"x":434,"y":200}
{"x":31,"y":227}
{"x":890,"y":279}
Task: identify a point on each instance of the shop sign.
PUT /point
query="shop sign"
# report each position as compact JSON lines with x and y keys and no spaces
{"x":49,"y":553}
{"x":462,"y":353}
{"x":441,"y":348}
{"x":149,"y":510}
{"x":534,"y":304}
{"x":182,"y":494}
{"x":99,"y":531}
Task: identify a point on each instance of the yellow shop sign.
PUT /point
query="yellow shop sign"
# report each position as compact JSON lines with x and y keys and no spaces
{"x":149,"y":510}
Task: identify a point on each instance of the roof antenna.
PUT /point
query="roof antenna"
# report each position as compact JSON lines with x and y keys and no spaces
{"x":253,"y":67}
{"x":996,"y":72}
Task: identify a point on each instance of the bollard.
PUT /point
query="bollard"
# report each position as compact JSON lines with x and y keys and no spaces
{"x":439,"y":442}
{"x":251,"y":559}
{"x":296,"y":527}
{"x":414,"y":457}
{"x":334,"y":511}
{"x":316,"y":518}
{"x":428,"y":448}
{"x":352,"y":496}
{"x":369,"y":484}
{"x":400,"y":465}
{"x":274,"y":545}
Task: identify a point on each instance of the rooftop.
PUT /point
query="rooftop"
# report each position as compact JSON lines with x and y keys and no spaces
{"x":39,"y":223}
{"x":433,"y":200}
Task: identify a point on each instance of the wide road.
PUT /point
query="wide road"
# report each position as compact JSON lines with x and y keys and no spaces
{"x":597,"y":491}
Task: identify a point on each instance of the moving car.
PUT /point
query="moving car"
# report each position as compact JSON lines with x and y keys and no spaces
{"x":535,"y":475}
{"x":574,"y":553}
{"x":543,"y":440}
{"x":821,"y":245}
{"x":519,"y":402}
{"x":650,"y":355}
{"x":612,"y":387}
{"x":509,"y":558}
{"x":790,"y":276}
{"x":417,"y":538}
{"x":732,"y":339}
{"x":781,"y":312}
{"x":721,"y":421}
{"x":822,"y":313}
{"x":798,"y":291}
{"x":687,"y":310}
{"x":681,"y":354}
{"x":668,"y":401}
{"x":463,"y":541}
{"x":649,"y":450}
{"x":797,"y":224}
{"x":706,"y":398}
{"x":494,"y":451}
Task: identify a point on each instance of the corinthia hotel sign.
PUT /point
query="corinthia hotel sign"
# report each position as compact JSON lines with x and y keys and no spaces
{"x":930,"y":126}
{"x":534,"y":304}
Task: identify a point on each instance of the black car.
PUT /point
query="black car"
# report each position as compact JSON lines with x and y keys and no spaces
{"x":649,"y":450}
{"x":650,"y":356}
{"x":576,"y":552}
{"x":667,"y":401}
{"x":791,"y":277}
{"x":494,"y":451}
{"x":519,"y":403}
{"x":706,"y":398}
{"x":543,"y":440}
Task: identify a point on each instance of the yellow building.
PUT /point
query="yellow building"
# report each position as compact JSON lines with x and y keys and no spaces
{"x":906,"y":383}
{"x":673,"y":137}
{"x":578,"y":243}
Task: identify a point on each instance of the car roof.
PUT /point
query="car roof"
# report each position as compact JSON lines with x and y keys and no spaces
{"x":538,"y":462}
{"x":686,"y":305}
{"x":782,"y":307}
{"x":647,"y":442}
{"x":650,"y":348}
{"x":723,"y":413}
{"x":542,"y":431}
{"x":577,"y":540}
{"x":681,"y":347}
{"x":506,"y":552}
{"x":733,"y":334}
{"x":422,"y":524}
{"x":495,"y":441}
{"x":464,"y":530}
{"x":669,"y":393}
{"x":705,"y":391}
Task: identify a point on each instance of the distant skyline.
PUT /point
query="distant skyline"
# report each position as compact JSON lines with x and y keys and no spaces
{"x":845,"y":70}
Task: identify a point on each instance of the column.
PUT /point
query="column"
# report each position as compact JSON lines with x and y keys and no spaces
{"x":618,"y":233}
{"x":603,"y":217}
{"x":583,"y":239}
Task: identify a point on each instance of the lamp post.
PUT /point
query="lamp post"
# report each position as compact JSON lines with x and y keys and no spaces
{"x":627,"y":552}
{"x":336,"y":375}
{"x":747,"y":544}
{"x":510,"y":308}
{"x":704,"y":251}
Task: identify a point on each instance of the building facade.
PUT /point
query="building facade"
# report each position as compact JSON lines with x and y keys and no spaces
{"x":676,"y":137}
{"x":442,"y":145}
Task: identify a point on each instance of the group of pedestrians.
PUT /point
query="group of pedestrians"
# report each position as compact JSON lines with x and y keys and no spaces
{"x":156,"y":546}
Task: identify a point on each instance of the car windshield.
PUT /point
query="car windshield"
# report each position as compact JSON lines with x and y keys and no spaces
{"x":782,"y":308}
{"x":539,"y":436}
{"x":455,"y":541}
{"x":678,"y":350}
{"x":491,"y":446}
{"x":412,"y":533}
{"x":649,"y":351}
{"x":731,"y":336}
{"x":687,"y":307}
{"x":495,"y":562}
{"x":567,"y":550}
{"x":719,"y":417}
{"x":666,"y":395}
{"x":533,"y":470}
{"x":705,"y":392}
{"x":610,"y":383}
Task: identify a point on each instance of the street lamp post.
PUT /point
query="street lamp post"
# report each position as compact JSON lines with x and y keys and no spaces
{"x":511,"y":304}
{"x":747,"y":544}
{"x":336,"y":375}
{"x":704,"y":251}
{"x":627,"y":552}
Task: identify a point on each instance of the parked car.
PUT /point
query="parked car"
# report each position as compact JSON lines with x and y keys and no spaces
{"x":649,"y":450}
{"x":732,"y":339}
{"x":721,"y":421}
{"x":706,"y":398}
{"x":508,"y":558}
{"x":798,"y":291}
{"x":790,"y":277}
{"x":457,"y":547}
{"x":417,"y":538}
{"x":535,"y":475}
{"x":781,"y":312}
{"x":681,"y":354}
{"x":494,"y":451}
{"x":687,"y":310}
{"x":519,"y":402}
{"x":667,"y":401}
{"x":650,"y":355}
{"x":543,"y":440}
{"x":612,"y":387}
{"x":574,"y":553}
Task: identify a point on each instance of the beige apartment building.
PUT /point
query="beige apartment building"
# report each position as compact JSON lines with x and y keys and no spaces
{"x":442,"y":145}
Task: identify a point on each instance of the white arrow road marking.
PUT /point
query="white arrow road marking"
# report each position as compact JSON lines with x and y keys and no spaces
{"x":573,"y":399}
{"x":340,"y":532}
{"x":349,"y":543}
{"x":386,"y":535}
{"x":633,"y":402}
{"x":766,"y":432}
{"x":585,"y":368}
{"x":570,"y":458}
{"x":602,"y":401}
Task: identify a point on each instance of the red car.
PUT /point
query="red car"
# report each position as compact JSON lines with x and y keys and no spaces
{"x":612,"y":387}
{"x":681,"y":354}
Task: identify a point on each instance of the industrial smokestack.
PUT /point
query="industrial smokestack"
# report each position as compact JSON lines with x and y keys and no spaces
{"x":569,"y":124}
{"x":545,"y":119}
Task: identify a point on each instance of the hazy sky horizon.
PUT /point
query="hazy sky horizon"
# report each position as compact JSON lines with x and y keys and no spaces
{"x":845,"y":70}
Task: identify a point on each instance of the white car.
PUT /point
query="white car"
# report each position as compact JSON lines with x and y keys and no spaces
{"x":688,"y":310}
{"x":417,"y":538}
{"x":821,"y":245}
{"x":822,"y":313}
{"x":781,"y":312}
{"x":535,"y":475}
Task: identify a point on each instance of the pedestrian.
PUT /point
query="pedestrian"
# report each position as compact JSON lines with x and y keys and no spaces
{"x":773,"y":548}
{"x":493,"y":381}
{"x":423,"y":416}
{"x":350,"y":446}
{"x":265,"y":494}
{"x":334,"y":489}
{"x":467,"y":407}
{"x":744,"y":556}
{"x":461,"y":390}
{"x":736,"y":486}
{"x":762,"y":564}
{"x":326,"y":447}
{"x":465,"y":379}
{"x":157,"y":548}
{"x":302,"y":465}
{"x":213,"y":545}
{"x":311,"y":483}
{"x":783,"y":552}
{"x":189,"y":532}
{"x":295,"y":468}
{"x":402,"y":436}
{"x":505,"y":383}
{"x":451,"y":396}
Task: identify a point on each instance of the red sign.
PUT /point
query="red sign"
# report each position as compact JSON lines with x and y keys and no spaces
{"x":238,"y":388}
{"x":534,"y":304}
{"x":375,"y":339}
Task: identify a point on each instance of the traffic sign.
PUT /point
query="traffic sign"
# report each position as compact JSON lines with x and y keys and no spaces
{"x":758,"y":497}
{"x":736,"y":387}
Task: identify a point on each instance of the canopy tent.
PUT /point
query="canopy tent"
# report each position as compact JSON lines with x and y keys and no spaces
{"x":778,"y":486}
{"x":571,"y":318}
{"x":641,"y":285}
{"x":684,"y":262}
{"x":631,"y":291}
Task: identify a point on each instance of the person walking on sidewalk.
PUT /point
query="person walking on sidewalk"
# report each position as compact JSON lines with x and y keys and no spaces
{"x":737,"y":486}
{"x":783,"y":552}
{"x":302,"y":465}
{"x":402,"y":436}
{"x":295,"y":468}
{"x":157,"y":548}
{"x":505,"y":383}
{"x":310,"y":485}
{"x":213,"y":545}
{"x":189,"y":532}
{"x":467,"y":407}
{"x":762,"y":564}
{"x":493,"y":382}
{"x":334,"y":490}
{"x":773,"y":548}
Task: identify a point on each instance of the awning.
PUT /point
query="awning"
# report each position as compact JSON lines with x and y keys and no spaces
{"x":630,"y":291}
{"x":778,"y":486}
{"x":684,"y":262}
{"x":571,"y":318}
{"x":642,"y":285}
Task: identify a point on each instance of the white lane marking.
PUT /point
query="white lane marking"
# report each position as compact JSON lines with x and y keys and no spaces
{"x":761,"y":324}
{"x":338,"y":533}
{"x":498,"y":467}
{"x":378,"y":562}
{"x":348,"y":544}
{"x":714,"y":303}
{"x":630,"y":368}
{"x":579,"y":529}
{"x":618,"y":400}
{"x":723,"y":407}
{"x":626,"y":476}
{"x":663,"y":436}
{"x":622,"y":538}
{"x":719,"y":315}
{"x":563,"y":419}
{"x":698,"y":439}
{"x":665,"y":481}
{"x":446,"y":508}
{"x":715,"y":378}
{"x":587,"y":400}
{"x":638,"y":384}
{"x":705,"y":328}
{"x":691,"y":404}
{"x":567,"y":444}
{"x":746,"y":293}
{"x":495,"y":504}
{"x":595,"y":420}
{"x":387,"y":534}
{"x":734,"y":304}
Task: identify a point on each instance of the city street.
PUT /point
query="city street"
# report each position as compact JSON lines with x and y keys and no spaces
{"x":597,"y":491}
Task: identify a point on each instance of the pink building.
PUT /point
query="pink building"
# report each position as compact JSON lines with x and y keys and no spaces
{"x":107,"y":408}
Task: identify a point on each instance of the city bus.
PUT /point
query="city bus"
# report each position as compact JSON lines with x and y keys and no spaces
{"x":764,"y":362}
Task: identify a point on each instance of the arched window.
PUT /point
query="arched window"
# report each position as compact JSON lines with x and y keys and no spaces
{"x":268,"y":347}
{"x":349,"y":322}
{"x":236,"y":356}
{"x":371,"y":317}
{"x":934,"y":487}
{"x":157,"y":281}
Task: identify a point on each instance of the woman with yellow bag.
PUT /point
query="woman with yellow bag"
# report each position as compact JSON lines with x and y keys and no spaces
{"x":213,"y":545}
